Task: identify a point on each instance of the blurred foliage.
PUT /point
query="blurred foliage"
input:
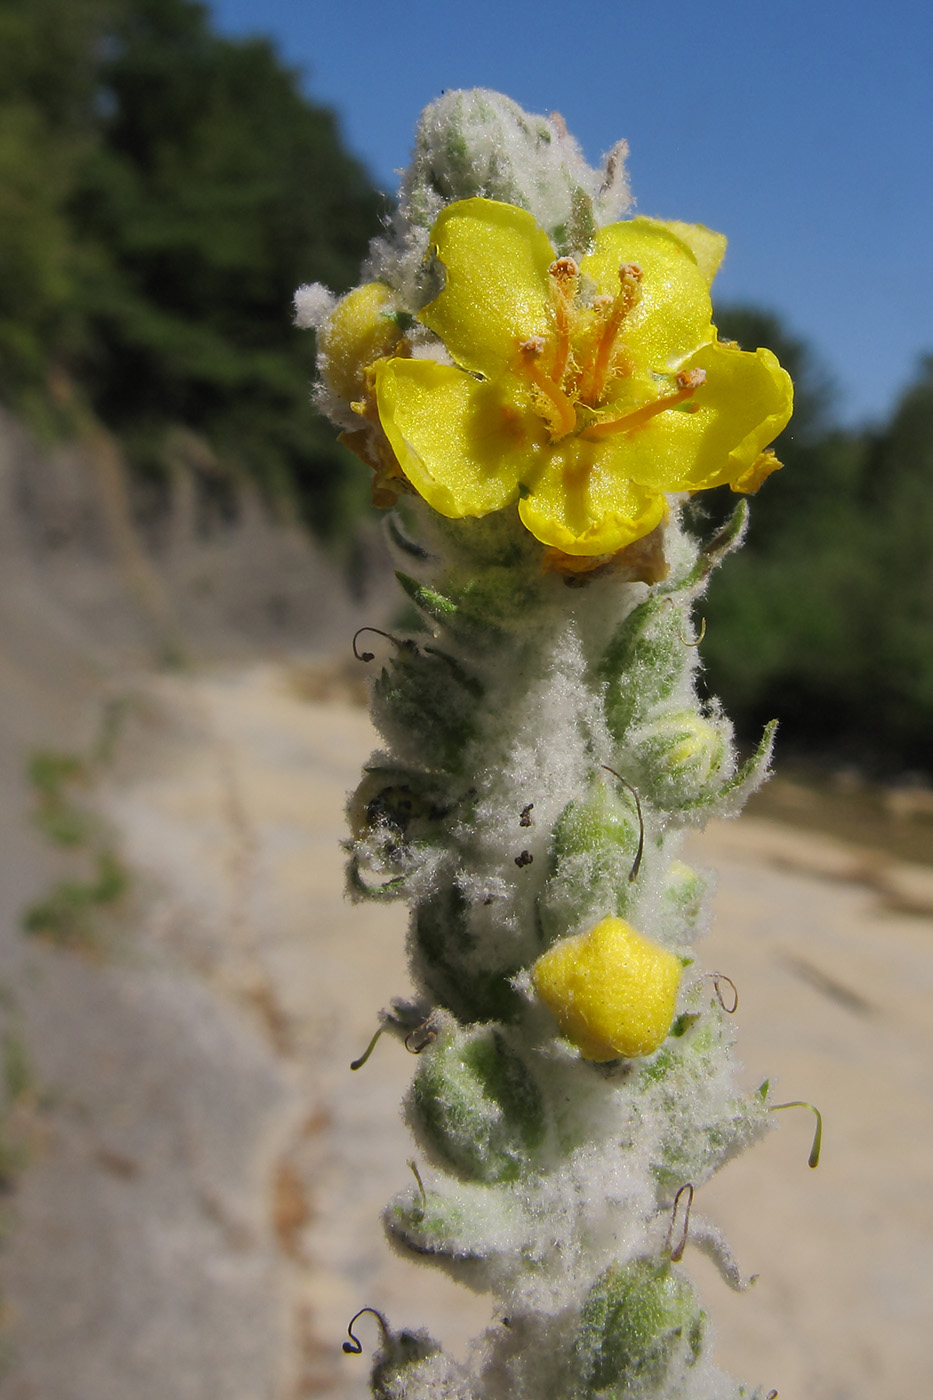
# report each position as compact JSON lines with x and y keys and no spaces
{"x":163,"y":191}
{"x":825,"y":619}
{"x":64,"y":791}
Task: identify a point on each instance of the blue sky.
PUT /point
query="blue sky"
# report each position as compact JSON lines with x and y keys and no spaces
{"x":803,"y":129}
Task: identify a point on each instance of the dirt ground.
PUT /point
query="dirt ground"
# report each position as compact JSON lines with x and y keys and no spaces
{"x":192,"y":1176}
{"x":200,"y":1216}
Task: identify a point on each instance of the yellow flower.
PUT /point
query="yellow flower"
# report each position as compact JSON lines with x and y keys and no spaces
{"x":612,"y":991}
{"x":586,"y":391}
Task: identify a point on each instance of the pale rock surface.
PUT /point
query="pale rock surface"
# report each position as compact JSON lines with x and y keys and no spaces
{"x":199,"y":1216}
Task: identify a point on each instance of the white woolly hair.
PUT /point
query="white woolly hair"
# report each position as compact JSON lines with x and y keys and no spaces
{"x":313,"y":304}
{"x":478,"y":142}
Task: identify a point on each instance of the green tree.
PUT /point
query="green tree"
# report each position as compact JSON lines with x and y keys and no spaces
{"x":46,"y":130}
{"x":192,"y":188}
{"x":898,"y":499}
{"x":790,"y":625}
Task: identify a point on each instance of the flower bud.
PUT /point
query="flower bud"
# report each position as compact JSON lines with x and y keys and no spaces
{"x":360,"y":329}
{"x":612,"y":991}
{"x":479,"y":142}
{"x":593,"y":849}
{"x":639,"y":1323}
{"x":644,"y":663}
{"x":475,"y":1105}
{"x":412,"y":1363}
{"x":424,"y":702}
{"x":443,"y":951}
{"x":684,"y":889}
{"x":684,"y":757}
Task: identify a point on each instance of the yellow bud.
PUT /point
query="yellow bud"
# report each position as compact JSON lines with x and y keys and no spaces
{"x":612,"y":991}
{"x":685,"y":754}
{"x":359,"y":331}
{"x":695,"y":745}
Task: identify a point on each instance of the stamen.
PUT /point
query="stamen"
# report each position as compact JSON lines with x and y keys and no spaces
{"x":413,"y":1165}
{"x":676,"y":1252}
{"x":564,"y":271}
{"x":566,"y":276}
{"x":354,"y":1346}
{"x":420,"y":1037}
{"x":630,"y":275}
{"x":563,"y":420}
{"x":361,"y":1060}
{"x":689,"y":381}
{"x":636,"y":864}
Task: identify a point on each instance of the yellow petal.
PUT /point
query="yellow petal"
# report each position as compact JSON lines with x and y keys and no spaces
{"x":673,"y":313}
{"x":580,"y":505}
{"x":612,"y":991}
{"x":746,"y":402}
{"x":708,"y":247}
{"x":496,"y":291}
{"x":462,"y":445}
{"x":716,"y":437}
{"x":359,"y":330}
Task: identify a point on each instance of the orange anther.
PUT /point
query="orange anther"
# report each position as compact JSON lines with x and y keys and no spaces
{"x":564,"y":270}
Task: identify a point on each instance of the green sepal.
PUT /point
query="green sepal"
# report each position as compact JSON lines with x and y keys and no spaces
{"x":424,"y":702}
{"x":397,"y":1353}
{"x":404,"y":543}
{"x":475,"y":1105}
{"x":752,"y":772}
{"x":638,"y":1324}
{"x":577,"y":233}
{"x":434,"y":605}
{"x":723,"y":543}
{"x":358,"y":889}
{"x":431,"y":1224}
{"x":442,"y":945}
{"x":643,"y":663}
{"x":457,"y":1222}
{"x":592,"y":855}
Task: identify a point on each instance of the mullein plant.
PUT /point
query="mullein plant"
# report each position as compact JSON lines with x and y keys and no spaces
{"x":536,"y":383}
